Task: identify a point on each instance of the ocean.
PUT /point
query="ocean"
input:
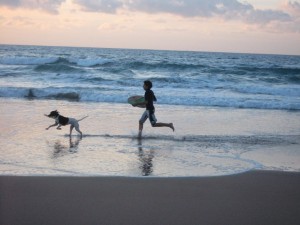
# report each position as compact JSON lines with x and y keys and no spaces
{"x":232,"y":112}
{"x":179,"y":78}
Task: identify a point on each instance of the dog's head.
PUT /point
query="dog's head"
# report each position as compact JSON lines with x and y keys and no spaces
{"x":53,"y":114}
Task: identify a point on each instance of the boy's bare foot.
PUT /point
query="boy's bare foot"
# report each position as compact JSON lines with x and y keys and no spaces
{"x":172,"y":127}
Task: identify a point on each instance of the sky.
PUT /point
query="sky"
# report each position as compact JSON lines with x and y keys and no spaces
{"x":244,"y":26}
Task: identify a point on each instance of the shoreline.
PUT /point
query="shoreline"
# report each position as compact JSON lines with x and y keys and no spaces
{"x":207,"y":141}
{"x":255,"y":197}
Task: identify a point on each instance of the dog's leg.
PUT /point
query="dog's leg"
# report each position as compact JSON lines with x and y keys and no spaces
{"x":53,"y":125}
{"x":76,"y":125}
{"x":71,"y":128}
{"x":77,"y":129}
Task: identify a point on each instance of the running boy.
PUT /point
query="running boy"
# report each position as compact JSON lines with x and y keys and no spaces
{"x":150,"y":110}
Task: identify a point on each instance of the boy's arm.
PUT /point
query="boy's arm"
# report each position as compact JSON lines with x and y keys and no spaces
{"x":140,"y":104}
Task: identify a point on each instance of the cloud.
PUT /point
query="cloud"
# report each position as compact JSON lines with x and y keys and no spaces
{"x":293,"y":8}
{"x":50,"y":6}
{"x":105,"y":6}
{"x":10,"y":3}
{"x":226,"y":9}
{"x":266,"y":16}
{"x":190,"y":8}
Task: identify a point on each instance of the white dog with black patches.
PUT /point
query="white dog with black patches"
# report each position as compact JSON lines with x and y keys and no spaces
{"x":63,"y":121}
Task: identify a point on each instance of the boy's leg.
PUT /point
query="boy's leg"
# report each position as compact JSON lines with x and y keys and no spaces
{"x":170,"y":125}
{"x":153,"y":122}
{"x":140,"y":129}
{"x":144,"y":117}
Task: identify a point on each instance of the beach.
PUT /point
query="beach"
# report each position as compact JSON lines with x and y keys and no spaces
{"x":208,"y":141}
{"x":220,"y":166}
{"x":250,"y":198}
{"x":233,"y":158}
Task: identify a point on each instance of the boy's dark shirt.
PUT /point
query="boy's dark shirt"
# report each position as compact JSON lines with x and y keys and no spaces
{"x":149,"y":97}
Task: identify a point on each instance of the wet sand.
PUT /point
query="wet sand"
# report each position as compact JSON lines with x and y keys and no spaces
{"x":206,"y":142}
{"x":257,"y":197}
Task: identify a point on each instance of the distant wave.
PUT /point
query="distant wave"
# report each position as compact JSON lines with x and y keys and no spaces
{"x":179,"y":78}
{"x":27,"y":60}
{"x":71,"y":64}
{"x":101,"y":95}
{"x":56,"y":68}
{"x":164,"y":65}
{"x":35,"y":93}
{"x":272,"y":74}
{"x":32,"y":60}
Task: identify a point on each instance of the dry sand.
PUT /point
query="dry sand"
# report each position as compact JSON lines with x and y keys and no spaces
{"x":257,"y":197}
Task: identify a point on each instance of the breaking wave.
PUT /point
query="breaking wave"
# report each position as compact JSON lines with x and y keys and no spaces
{"x":179,"y":78}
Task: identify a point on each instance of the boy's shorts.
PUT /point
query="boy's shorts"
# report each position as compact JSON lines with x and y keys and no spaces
{"x":148,"y":114}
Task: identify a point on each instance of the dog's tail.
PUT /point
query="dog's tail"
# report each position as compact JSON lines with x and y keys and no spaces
{"x":82,"y":118}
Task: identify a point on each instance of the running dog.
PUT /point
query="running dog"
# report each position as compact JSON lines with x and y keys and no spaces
{"x":63,"y":121}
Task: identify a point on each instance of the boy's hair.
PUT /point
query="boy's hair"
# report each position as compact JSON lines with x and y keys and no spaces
{"x":148,"y":83}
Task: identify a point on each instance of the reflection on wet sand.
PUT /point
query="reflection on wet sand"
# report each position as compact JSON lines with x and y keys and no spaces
{"x":60,"y":148}
{"x":146,"y":158}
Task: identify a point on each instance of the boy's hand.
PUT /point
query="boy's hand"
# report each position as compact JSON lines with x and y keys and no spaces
{"x":140,"y":105}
